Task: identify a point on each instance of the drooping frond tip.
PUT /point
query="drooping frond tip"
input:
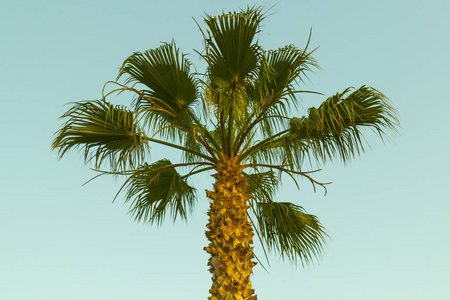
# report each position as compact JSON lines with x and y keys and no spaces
{"x":157,"y":189}
{"x":287,"y":229}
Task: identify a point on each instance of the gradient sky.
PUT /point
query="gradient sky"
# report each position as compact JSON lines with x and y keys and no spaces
{"x":387,"y":212}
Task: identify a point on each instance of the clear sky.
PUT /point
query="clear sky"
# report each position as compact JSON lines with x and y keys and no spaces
{"x":387,"y":212}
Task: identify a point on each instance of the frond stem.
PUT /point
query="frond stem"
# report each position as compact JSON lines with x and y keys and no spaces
{"x":192,"y":172}
{"x":290,"y":172}
{"x":272,"y":139}
{"x":213,"y":160}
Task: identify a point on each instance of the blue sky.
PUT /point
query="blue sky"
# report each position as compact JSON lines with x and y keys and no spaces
{"x":386,"y":212}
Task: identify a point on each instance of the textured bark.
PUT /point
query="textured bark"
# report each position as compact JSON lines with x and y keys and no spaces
{"x":230,"y":235}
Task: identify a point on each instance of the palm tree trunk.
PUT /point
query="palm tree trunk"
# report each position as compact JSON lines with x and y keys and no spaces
{"x":230,"y":235}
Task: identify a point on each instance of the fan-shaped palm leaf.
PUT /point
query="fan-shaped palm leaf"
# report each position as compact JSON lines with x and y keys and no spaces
{"x":157,"y":189}
{"x":335,"y":128}
{"x":231,"y":52}
{"x":278,"y":71}
{"x":166,"y":72}
{"x":289,"y":230}
{"x":103,"y":132}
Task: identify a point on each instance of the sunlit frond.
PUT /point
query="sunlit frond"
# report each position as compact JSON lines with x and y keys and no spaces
{"x":282,"y":226}
{"x":158,"y":189}
{"x":102,"y":132}
{"x":335,"y":129}
{"x":288,"y":230}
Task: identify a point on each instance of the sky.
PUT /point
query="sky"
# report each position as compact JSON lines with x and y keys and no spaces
{"x":386,"y":212}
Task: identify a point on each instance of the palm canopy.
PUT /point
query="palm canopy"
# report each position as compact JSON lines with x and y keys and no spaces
{"x":239,"y":108}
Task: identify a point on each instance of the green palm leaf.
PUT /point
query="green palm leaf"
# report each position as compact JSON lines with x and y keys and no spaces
{"x":273,"y":91}
{"x":157,"y":189}
{"x":282,"y":226}
{"x":287,"y":229}
{"x":336,"y":127}
{"x":278,"y":71}
{"x":166,"y":73}
{"x":102,"y":132}
{"x":231,"y":52}
{"x":171,"y":89}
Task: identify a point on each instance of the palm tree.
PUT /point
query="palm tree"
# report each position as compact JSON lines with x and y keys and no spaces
{"x":233,"y":120}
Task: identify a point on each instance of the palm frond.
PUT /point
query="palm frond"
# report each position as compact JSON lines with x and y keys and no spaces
{"x":231,"y":52}
{"x":102,"y":132}
{"x":166,"y":72}
{"x":279,"y":70}
{"x":170,"y":91}
{"x":336,"y":127}
{"x":272,"y":93}
{"x":158,"y":189}
{"x":287,"y":229}
{"x":284,"y":227}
